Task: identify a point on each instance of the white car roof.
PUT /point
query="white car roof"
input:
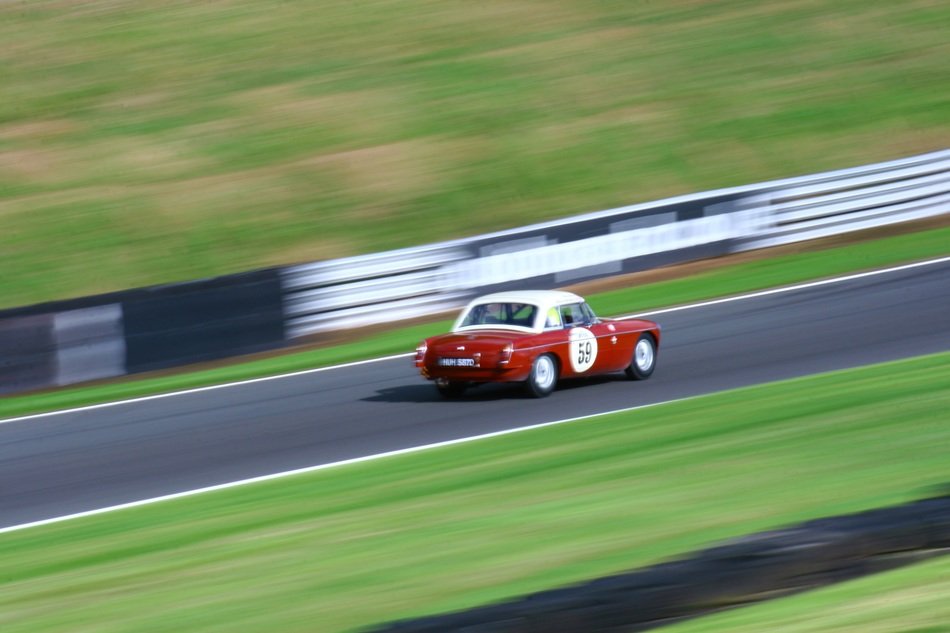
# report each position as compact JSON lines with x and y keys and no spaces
{"x":540,"y":298}
{"x":544,"y":299}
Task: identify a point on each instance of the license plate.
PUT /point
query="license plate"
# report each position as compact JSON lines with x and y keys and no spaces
{"x":457,"y":362}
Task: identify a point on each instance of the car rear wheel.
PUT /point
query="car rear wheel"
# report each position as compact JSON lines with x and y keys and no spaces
{"x":543,"y":376}
{"x":450,"y":388}
{"x":644,"y":358}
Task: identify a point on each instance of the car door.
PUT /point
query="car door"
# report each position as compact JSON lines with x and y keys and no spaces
{"x":593,"y":346}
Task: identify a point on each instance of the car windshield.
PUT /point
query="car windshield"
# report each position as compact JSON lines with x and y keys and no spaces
{"x":517,"y":314}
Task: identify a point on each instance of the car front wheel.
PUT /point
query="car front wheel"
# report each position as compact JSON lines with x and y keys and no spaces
{"x":543,"y":376}
{"x":644,"y":358}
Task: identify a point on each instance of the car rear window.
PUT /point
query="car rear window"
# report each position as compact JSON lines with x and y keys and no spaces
{"x":519,"y":314}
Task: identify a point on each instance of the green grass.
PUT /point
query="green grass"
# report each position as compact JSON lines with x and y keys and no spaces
{"x":469,"y":524}
{"x":912,"y":600}
{"x":153,"y":141}
{"x":748,"y":276}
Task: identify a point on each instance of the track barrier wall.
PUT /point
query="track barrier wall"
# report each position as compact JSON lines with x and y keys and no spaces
{"x":89,"y":343}
{"x":145,"y":329}
{"x":27,"y":353}
{"x":415,"y":282}
{"x":203,"y":321}
{"x":91,"y":338}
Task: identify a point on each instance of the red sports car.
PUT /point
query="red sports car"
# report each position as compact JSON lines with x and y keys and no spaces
{"x":535,"y":337}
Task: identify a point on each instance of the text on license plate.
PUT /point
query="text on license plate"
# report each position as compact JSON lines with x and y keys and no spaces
{"x":457,"y":362}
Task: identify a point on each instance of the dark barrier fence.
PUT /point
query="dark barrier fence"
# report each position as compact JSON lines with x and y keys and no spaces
{"x":27,"y":353}
{"x":752,"y":568}
{"x":200,"y":321}
{"x":143,"y":329}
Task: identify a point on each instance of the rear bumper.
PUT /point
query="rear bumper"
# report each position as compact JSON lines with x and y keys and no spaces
{"x":475,"y":374}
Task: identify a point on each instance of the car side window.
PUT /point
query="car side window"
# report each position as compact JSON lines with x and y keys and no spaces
{"x":589,"y":315}
{"x":572,"y":314}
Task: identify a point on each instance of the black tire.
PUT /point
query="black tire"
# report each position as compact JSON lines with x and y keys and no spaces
{"x":643,"y":361}
{"x":450,"y":388}
{"x":543,"y":377}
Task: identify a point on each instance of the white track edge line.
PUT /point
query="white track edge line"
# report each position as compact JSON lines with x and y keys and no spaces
{"x":303,"y":372}
{"x":327,"y":466}
{"x":183,"y":392}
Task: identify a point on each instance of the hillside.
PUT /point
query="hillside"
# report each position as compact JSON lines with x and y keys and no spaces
{"x":149,"y":142}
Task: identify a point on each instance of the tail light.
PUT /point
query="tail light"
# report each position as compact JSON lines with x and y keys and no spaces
{"x":506,"y":353}
{"x":421,"y":352}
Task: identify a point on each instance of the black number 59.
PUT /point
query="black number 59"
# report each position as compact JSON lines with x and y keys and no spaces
{"x":584,"y":352}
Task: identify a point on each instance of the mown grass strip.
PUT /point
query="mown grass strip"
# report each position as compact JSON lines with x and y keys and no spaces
{"x":469,"y":524}
{"x":910,"y":599}
{"x":749,"y":276}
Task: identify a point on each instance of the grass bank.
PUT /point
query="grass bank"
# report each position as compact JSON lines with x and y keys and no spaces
{"x":910,"y":599}
{"x":154,"y":141}
{"x":473,"y":523}
{"x":744,"y":277}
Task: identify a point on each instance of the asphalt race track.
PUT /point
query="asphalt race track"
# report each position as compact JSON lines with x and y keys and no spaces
{"x":84,"y":460}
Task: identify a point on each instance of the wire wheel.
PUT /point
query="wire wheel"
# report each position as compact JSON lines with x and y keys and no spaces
{"x":644,"y":358}
{"x":543,"y":377}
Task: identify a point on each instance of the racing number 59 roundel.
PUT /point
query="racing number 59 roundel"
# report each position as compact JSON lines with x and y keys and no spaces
{"x":583,"y":349}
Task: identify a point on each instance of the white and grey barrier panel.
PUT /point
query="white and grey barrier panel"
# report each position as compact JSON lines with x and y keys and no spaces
{"x":415,"y":282}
